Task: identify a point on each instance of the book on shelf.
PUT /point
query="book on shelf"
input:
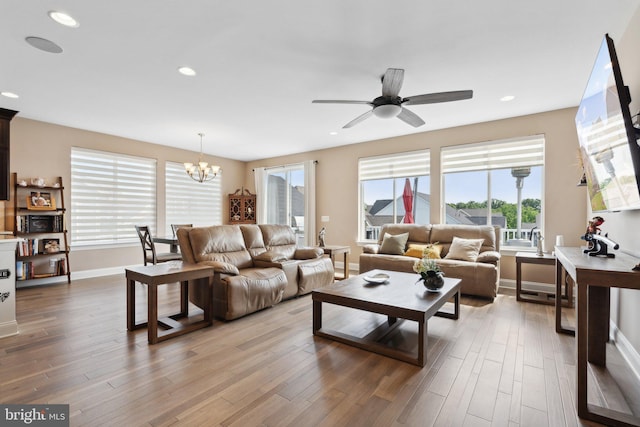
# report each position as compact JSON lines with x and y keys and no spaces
{"x":39,"y":223}
{"x":25,"y":270}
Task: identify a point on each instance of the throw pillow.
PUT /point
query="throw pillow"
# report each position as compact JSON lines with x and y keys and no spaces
{"x":464,"y":249}
{"x":430,"y":250}
{"x":394,"y":244}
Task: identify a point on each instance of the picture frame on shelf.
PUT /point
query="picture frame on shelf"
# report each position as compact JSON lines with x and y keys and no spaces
{"x":50,"y":246}
{"x":41,"y":201}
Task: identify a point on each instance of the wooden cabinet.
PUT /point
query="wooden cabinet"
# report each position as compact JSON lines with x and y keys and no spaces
{"x":43,"y":249}
{"x":242,"y":207}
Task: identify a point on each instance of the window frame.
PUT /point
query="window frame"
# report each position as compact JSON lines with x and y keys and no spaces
{"x":527,"y":151}
{"x":407,"y":164}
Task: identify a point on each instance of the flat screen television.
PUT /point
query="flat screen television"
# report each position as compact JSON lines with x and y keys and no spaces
{"x":609,"y":150}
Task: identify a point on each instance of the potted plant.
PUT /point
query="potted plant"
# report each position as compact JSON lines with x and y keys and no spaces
{"x":430,"y":273}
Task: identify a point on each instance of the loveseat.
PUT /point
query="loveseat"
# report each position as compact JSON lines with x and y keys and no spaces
{"x":475,"y":258}
{"x":255,"y":266}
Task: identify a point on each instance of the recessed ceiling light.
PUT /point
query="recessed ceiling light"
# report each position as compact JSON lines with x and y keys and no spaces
{"x":333,"y":133}
{"x":43,"y":44}
{"x":63,"y":19}
{"x":507,"y":98}
{"x":187,"y":71}
{"x":9,"y":94}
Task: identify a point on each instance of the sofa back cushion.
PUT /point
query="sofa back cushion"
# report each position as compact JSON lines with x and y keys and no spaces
{"x":418,"y":233}
{"x":279,"y":239}
{"x":444,"y":234}
{"x":223,"y":243}
{"x":253,"y":240}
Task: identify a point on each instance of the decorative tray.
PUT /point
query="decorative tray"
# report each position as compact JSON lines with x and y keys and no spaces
{"x":377,"y":278}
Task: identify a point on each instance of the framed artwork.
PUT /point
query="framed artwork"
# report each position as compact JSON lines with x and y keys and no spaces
{"x":41,"y":201}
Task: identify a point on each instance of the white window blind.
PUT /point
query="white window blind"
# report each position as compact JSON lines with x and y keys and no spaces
{"x":110,"y":193}
{"x":191,"y":202}
{"x":400,"y":165}
{"x":526,"y":151}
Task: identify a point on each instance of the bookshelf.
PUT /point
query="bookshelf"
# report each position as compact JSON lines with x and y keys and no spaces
{"x":43,"y":249}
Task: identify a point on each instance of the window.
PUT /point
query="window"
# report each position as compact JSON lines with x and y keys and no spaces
{"x":285,"y":198}
{"x":287,"y":195}
{"x":386,"y":184}
{"x":498,"y":183}
{"x":191,"y":202}
{"x":110,"y":193}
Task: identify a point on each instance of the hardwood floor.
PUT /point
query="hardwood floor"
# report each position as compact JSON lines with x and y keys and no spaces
{"x":500,"y":364}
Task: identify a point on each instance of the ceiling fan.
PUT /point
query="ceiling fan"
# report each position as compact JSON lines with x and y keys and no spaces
{"x":391,"y":105}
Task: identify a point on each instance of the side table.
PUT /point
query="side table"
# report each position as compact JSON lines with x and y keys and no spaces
{"x":165,"y":274}
{"x":333,"y":251}
{"x":539,"y":297}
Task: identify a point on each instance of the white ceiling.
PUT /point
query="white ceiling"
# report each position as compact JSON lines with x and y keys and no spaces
{"x":260,"y":63}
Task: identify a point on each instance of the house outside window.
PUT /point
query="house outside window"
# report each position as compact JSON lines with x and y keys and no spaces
{"x":191,"y":202}
{"x":496,"y":183}
{"x":389,"y":184}
{"x":110,"y":194}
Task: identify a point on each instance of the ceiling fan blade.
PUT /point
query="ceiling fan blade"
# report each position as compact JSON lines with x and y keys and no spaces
{"x":432,"y":98}
{"x":410,"y":118}
{"x":358,"y":119}
{"x":392,"y":82}
{"x":337,"y":101}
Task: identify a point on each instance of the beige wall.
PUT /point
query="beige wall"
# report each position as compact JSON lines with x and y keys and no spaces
{"x":44,"y":150}
{"x":564,"y":202}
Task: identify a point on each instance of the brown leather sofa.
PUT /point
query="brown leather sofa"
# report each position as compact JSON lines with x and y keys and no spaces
{"x":255,"y":266}
{"x":480,"y":277}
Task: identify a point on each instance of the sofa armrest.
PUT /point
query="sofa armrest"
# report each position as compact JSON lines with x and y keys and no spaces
{"x":308,"y":253}
{"x":371,"y":249}
{"x":491,"y":257}
{"x":222,"y":267}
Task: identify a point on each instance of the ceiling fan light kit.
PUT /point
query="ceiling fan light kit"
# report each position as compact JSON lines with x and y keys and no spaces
{"x":390,"y":104}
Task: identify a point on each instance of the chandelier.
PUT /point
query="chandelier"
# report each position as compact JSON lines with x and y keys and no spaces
{"x":201,"y":171}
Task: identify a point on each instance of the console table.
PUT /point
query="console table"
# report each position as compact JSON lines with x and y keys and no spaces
{"x":594,"y":277}
{"x":539,"y":297}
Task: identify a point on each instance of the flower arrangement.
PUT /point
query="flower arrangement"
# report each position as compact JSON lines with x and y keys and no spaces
{"x":430,"y":273}
{"x":426,"y":267}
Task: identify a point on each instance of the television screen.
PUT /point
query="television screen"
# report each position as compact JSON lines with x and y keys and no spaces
{"x":610,"y":154}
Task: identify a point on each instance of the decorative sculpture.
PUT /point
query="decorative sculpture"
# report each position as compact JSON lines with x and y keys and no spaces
{"x":321,"y":237}
{"x":598,"y":245}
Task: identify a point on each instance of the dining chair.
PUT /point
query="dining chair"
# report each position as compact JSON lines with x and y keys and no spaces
{"x":149,"y":248}
{"x":174,"y":227}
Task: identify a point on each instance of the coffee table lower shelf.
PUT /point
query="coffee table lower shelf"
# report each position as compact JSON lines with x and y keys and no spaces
{"x":352,"y":293}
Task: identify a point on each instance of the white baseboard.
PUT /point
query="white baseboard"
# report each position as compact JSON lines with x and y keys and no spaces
{"x":89,"y":274}
{"x":532,"y":286}
{"x":8,"y":329}
{"x":626,"y":349}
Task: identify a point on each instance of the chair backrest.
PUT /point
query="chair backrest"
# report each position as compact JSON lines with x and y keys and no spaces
{"x":174,"y":227}
{"x":148,"y":248}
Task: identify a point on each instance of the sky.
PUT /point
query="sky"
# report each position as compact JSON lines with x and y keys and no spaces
{"x":465,"y":187}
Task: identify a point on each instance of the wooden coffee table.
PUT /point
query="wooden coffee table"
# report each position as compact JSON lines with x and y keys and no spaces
{"x":399,"y":298}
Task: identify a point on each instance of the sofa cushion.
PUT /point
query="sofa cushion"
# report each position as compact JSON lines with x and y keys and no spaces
{"x":464,"y":249}
{"x":223,"y":243}
{"x":279,"y":239}
{"x":418,"y":233}
{"x":394,"y":244}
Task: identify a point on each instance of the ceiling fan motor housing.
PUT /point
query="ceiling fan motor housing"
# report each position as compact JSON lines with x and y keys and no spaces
{"x":387,"y":107}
